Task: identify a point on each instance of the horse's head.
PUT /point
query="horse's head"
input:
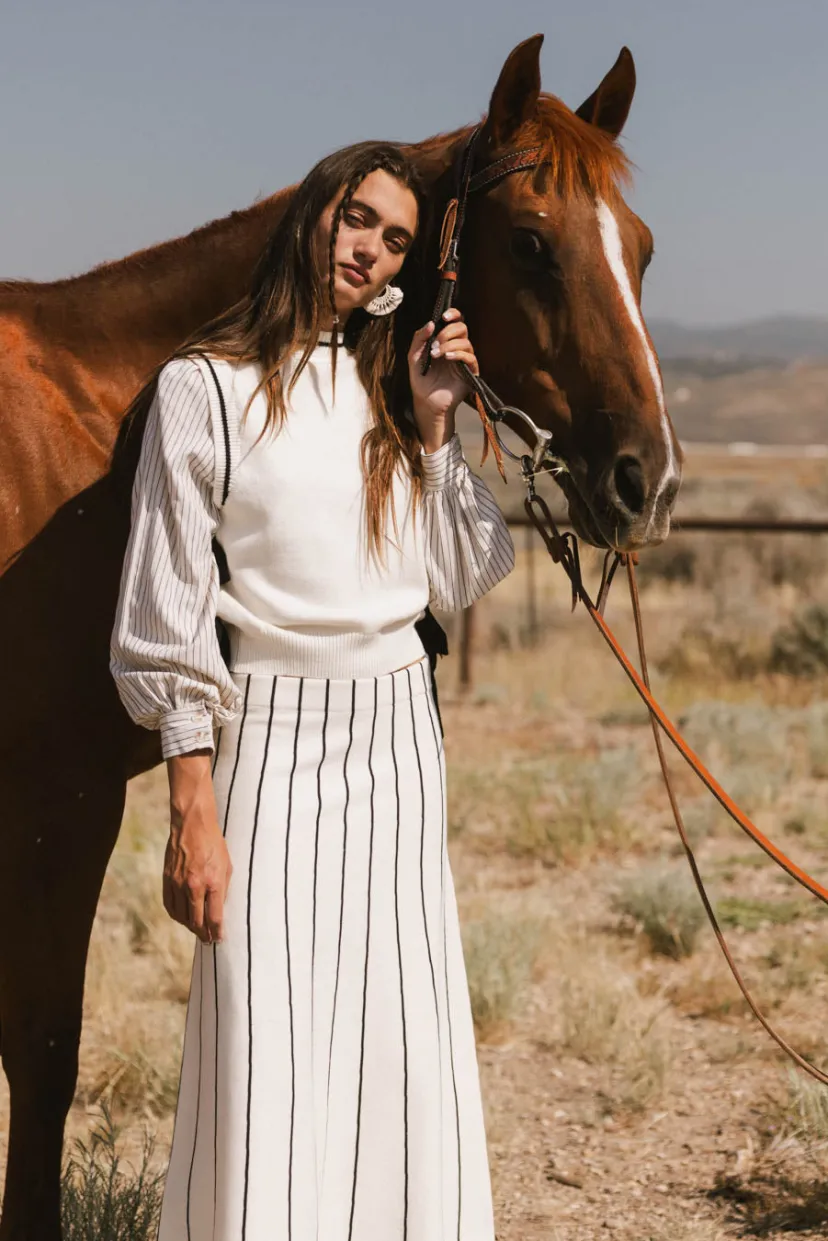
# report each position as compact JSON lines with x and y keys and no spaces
{"x":552,"y":264}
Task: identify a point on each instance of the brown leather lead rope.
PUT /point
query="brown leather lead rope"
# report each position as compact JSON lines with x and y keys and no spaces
{"x":560,"y":550}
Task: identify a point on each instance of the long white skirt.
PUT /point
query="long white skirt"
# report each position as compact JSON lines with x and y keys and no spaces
{"x":329,"y":1085}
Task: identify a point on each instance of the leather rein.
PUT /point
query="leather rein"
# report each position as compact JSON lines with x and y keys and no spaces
{"x":563,"y":549}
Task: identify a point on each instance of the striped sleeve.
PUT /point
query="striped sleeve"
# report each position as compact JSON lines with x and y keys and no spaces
{"x":164,"y":653}
{"x":468,"y":545}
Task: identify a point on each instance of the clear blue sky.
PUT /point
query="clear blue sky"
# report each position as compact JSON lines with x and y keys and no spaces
{"x":127,"y":122}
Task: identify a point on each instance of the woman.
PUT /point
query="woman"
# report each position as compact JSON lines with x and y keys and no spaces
{"x":329,"y":1086}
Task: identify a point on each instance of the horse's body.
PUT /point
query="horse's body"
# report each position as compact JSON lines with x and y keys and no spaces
{"x":72,"y":355}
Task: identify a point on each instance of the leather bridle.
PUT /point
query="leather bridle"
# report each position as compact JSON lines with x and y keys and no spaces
{"x":469,"y":182}
{"x":563,"y":549}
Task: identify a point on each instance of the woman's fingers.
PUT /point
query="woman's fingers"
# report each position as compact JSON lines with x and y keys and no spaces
{"x":214,"y":915}
{"x":168,"y":896}
{"x":194,"y":898}
{"x":419,"y":341}
{"x":466,"y":357}
{"x":453,"y":334}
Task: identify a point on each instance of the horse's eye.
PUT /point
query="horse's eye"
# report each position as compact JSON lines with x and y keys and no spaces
{"x":529,"y":250}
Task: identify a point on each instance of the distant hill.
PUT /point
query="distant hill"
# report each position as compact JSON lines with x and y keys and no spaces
{"x":765,"y":382}
{"x":786,"y":338}
{"x":770,"y":403}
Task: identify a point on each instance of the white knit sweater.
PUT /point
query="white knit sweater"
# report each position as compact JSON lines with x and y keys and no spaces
{"x":305,"y":597}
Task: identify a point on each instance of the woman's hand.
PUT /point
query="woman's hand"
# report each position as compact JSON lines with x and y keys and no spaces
{"x":197,"y":865}
{"x":437,"y":394}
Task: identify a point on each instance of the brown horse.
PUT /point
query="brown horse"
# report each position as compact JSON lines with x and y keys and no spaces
{"x":552,"y":263}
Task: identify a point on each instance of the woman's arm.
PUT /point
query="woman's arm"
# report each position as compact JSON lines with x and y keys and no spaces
{"x":165,"y":656}
{"x":197,"y":865}
{"x":467,"y":542}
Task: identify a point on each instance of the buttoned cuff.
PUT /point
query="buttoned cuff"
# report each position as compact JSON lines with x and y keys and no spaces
{"x":444,"y":466}
{"x":186,"y":729}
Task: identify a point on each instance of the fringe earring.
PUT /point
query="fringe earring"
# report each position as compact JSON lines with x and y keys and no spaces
{"x":386,"y":302}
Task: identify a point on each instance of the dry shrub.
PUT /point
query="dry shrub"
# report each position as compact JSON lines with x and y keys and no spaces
{"x":754,"y":750}
{"x":665,"y":906}
{"x":780,"y":1182}
{"x":800,"y":648}
{"x":807,"y":1112}
{"x":682,"y":1228}
{"x":796,"y":960}
{"x":674,"y":561}
{"x":103,"y":1199}
{"x":565,"y":811}
{"x":750,"y":913}
{"x":816,"y":734}
{"x":712,"y":650}
{"x":501,"y":954}
{"x":605,"y":1021}
{"x":705,"y":988}
{"x":137,"y":983}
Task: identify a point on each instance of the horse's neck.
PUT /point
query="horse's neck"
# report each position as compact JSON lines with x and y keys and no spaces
{"x":119,"y":320}
{"x":122,"y":318}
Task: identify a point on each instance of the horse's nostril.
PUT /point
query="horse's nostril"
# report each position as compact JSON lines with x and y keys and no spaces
{"x":629,"y":483}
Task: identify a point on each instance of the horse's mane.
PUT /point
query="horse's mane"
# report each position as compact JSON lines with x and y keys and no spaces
{"x":580,"y":158}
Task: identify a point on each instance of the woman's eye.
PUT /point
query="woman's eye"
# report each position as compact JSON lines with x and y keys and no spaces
{"x":529,"y":250}
{"x":352,"y":218}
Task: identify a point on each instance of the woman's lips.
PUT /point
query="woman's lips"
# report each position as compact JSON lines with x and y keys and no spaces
{"x":354,"y":275}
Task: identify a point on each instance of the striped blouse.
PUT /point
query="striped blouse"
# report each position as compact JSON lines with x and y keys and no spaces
{"x":304,"y":597}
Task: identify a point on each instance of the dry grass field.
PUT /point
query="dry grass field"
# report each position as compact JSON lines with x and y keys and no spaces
{"x":629,"y":1094}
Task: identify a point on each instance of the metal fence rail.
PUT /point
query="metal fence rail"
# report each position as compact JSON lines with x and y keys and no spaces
{"x":720,"y":525}
{"x":681,"y":525}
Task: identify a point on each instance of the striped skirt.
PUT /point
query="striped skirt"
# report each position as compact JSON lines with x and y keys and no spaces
{"x":329,"y":1086}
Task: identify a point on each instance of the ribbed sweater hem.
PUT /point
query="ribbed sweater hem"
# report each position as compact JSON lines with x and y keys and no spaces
{"x":329,"y":656}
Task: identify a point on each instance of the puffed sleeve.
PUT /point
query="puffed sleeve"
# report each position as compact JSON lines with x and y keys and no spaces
{"x":165,"y":655}
{"x":467,"y":542}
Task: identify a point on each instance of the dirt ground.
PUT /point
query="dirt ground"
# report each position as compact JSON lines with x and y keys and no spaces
{"x":628,"y":1093}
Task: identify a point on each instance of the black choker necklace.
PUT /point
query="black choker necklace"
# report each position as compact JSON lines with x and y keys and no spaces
{"x":326,"y":338}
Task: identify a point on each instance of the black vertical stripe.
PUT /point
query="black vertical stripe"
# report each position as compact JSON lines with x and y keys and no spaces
{"x":238,"y":756}
{"x":225,"y":487}
{"x":365,"y":975}
{"x":444,"y":863}
{"x":316,"y":844}
{"x":341,"y":907}
{"x":200,"y":951}
{"x":215,"y":955}
{"x":287,"y":953}
{"x":250,"y":963}
{"x":399,"y":947}
{"x":422,"y":870}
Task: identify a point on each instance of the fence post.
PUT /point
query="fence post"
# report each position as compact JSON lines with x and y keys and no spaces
{"x":467,"y":625}
{"x":531,"y":600}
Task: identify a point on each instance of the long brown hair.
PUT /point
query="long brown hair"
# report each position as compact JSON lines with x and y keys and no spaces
{"x":282,"y":312}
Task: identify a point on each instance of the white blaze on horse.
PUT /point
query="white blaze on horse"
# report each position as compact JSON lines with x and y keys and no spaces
{"x":553,"y":260}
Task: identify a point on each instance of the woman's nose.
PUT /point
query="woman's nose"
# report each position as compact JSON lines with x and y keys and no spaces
{"x":367,"y":247}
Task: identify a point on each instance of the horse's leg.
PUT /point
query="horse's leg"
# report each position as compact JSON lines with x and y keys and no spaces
{"x":61,"y":823}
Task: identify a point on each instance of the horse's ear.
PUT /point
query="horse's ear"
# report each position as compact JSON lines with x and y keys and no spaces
{"x":515,"y":97}
{"x":609,"y":106}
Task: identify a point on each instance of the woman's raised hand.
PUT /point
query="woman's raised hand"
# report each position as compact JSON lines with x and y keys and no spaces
{"x":438,"y":393}
{"x":197,"y":866}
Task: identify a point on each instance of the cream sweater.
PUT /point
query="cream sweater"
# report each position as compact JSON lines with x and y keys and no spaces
{"x":304,"y":598}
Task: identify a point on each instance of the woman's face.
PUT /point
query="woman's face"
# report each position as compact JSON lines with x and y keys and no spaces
{"x":375,"y":234}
